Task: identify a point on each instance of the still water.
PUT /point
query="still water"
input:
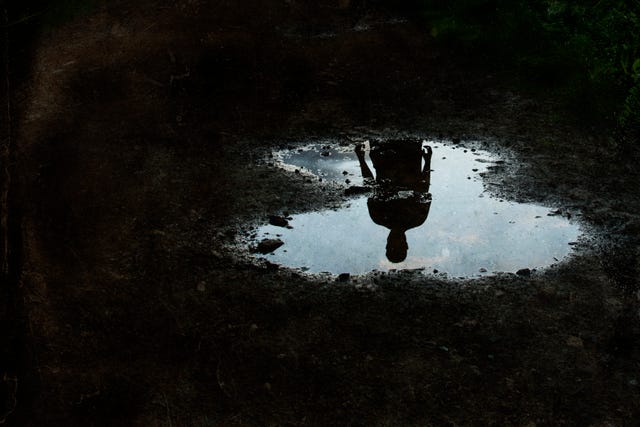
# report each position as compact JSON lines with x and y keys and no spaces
{"x":424,"y":207}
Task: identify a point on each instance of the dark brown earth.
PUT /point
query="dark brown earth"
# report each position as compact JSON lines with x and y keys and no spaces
{"x":142,"y":134}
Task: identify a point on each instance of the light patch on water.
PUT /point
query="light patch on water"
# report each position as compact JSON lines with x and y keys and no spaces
{"x":466,"y":231}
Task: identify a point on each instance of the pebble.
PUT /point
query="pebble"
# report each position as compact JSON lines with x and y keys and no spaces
{"x":575,"y":342}
{"x":269,"y":245}
{"x":344,"y":277}
{"x":278,"y":221}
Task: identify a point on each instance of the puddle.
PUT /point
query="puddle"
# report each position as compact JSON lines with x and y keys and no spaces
{"x":450,"y":223}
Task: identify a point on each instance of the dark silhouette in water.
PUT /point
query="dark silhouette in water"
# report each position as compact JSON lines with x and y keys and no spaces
{"x":401,"y":199}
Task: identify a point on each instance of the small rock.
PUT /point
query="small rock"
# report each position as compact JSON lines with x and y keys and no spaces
{"x":278,"y":221}
{"x":455,"y":140}
{"x":483,"y":270}
{"x":271,"y":266}
{"x":325,"y":154}
{"x":269,"y":245}
{"x":348,"y":181}
{"x":345,"y":173}
{"x":435,"y":271}
{"x":475,"y":370}
{"x":344,"y":277}
{"x":575,"y":342}
{"x":524,"y":272}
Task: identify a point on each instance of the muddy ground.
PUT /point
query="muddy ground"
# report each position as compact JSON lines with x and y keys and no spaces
{"x":142,"y":134}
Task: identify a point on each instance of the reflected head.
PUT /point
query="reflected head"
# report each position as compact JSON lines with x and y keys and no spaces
{"x":397,"y":246}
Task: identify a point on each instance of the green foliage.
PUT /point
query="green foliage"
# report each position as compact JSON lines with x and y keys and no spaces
{"x":588,"y":51}
{"x":630,"y":115}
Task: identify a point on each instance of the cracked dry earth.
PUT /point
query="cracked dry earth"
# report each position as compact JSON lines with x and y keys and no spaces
{"x":143,"y":133}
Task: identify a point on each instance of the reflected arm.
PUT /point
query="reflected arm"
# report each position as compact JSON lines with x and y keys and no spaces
{"x":364,"y":168}
{"x":426,"y":170}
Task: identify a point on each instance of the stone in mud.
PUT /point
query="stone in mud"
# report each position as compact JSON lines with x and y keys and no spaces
{"x":524,"y":272}
{"x":267,"y":246}
{"x":356,"y":189}
{"x":344,"y":277}
{"x":278,"y":221}
{"x":575,"y":342}
{"x":271,"y":266}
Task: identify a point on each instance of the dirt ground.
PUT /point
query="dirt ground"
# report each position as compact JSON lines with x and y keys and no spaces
{"x":142,"y":137}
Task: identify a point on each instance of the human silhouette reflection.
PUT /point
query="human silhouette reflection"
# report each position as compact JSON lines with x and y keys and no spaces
{"x":401,"y":198}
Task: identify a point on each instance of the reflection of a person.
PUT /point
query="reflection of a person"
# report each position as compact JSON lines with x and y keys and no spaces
{"x":401,"y":199}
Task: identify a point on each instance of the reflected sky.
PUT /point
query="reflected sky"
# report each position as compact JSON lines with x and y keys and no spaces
{"x":466,"y":232}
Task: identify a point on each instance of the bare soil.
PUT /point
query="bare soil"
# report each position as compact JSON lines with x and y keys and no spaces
{"x":143,"y":136}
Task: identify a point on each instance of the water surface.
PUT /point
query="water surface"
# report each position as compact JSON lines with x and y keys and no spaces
{"x":455,"y":226}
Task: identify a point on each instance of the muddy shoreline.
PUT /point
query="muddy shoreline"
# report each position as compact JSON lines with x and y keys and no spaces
{"x":143,"y":143}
